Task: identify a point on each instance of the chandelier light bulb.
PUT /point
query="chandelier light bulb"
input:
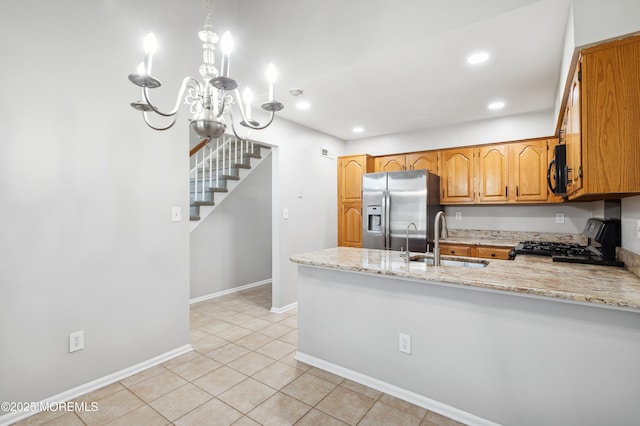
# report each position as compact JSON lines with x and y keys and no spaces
{"x":141,"y":69}
{"x":271,"y":78}
{"x":150,"y":44}
{"x":226,"y":43}
{"x":247,"y":96}
{"x":272,"y":75}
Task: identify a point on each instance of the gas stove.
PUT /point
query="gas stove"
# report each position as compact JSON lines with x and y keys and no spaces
{"x":603,"y":238}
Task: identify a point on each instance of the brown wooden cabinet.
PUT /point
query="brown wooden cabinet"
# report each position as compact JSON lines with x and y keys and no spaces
{"x":572,"y":134}
{"x":390,"y":163}
{"x":414,"y":161}
{"x":350,"y":171}
{"x":528,"y":171}
{"x":493,"y":174}
{"x":455,"y":249}
{"x":482,"y":251}
{"x":457,"y":174}
{"x":423,"y":160}
{"x":606,"y":87}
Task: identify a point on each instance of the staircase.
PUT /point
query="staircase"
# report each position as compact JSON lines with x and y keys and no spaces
{"x":218,"y":167}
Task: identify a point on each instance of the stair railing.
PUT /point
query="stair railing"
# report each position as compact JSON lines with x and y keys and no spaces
{"x":224,"y":151}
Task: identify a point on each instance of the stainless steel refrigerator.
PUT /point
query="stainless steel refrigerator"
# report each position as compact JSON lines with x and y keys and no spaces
{"x":391,"y":201}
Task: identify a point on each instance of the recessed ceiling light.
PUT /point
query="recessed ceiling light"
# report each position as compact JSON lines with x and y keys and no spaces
{"x":295,"y":91}
{"x":478,"y":58}
{"x":358,"y":129}
{"x":303,"y":105}
{"x":496,"y":105}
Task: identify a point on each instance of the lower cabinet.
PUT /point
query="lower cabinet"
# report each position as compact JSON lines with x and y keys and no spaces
{"x":350,"y":225}
{"x":486,"y":252}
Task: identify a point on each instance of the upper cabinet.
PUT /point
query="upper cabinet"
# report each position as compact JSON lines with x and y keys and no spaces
{"x":528,"y":171}
{"x":514,"y":172}
{"x":415,"y":161}
{"x":457,"y":176}
{"x":493,"y":174}
{"x":390,"y":163}
{"x":350,"y":171}
{"x":427,"y":160}
{"x":603,"y":135}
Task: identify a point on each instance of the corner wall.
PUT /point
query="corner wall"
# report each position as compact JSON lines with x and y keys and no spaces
{"x":306,"y":185}
{"x":232,"y":247}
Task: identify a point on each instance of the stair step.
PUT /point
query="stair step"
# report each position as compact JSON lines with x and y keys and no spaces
{"x":203,"y":203}
{"x":194,"y":218}
{"x":230,"y":177}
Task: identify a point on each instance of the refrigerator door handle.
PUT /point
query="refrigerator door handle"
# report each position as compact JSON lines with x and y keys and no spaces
{"x":387,"y":220}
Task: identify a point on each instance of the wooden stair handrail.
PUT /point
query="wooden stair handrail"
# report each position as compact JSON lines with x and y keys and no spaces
{"x":197,"y":148}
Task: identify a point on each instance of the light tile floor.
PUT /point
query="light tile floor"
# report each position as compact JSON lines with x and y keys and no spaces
{"x":242,"y":372}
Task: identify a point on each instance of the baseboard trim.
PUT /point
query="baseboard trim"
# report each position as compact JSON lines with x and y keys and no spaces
{"x":73,"y":393}
{"x":388,"y":388}
{"x":229,"y":291}
{"x":284,"y":308}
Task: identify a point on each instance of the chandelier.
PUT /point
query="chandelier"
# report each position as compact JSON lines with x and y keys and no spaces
{"x":210,"y":100}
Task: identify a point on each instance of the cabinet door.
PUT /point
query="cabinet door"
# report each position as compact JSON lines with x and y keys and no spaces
{"x":574,"y":136}
{"x":456,"y":176}
{"x":610,"y":99}
{"x":455,"y":249}
{"x":390,"y":163}
{"x":350,"y":170}
{"x":427,"y":160}
{"x":493,"y":174}
{"x":529,"y":170}
{"x":488,"y":252}
{"x":350,"y":225}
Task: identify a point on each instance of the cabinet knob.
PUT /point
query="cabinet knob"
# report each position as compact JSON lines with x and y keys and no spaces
{"x":452,"y":251}
{"x":493,"y":255}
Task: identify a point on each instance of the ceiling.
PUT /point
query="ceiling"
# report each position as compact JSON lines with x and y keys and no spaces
{"x":394,"y":66}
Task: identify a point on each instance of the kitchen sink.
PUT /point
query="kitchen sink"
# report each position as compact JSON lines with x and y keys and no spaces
{"x":449,"y":262}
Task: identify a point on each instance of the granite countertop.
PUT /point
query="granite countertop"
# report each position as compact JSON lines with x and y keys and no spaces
{"x":532,"y":275}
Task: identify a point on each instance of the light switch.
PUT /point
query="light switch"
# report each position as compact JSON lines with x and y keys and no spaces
{"x":285,"y":213}
{"x":176,"y":214}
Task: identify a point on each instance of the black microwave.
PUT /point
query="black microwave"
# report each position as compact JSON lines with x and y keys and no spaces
{"x":558,"y":171}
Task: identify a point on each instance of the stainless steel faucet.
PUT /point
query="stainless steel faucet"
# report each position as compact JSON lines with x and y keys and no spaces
{"x":414,"y":227}
{"x":436,"y":242}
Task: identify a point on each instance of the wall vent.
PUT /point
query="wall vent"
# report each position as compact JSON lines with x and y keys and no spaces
{"x":324,"y":152}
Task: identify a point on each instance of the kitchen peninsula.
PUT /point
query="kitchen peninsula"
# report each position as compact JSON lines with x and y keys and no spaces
{"x":517,"y":342}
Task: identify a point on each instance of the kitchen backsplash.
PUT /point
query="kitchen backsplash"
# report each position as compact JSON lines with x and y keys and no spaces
{"x":476,"y":234}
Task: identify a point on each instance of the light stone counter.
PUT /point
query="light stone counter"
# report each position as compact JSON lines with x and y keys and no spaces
{"x":529,"y":275}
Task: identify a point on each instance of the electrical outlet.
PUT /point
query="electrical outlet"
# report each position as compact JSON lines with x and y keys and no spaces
{"x":458,"y":215}
{"x":76,"y":341}
{"x":559,"y":217}
{"x":404,"y":343}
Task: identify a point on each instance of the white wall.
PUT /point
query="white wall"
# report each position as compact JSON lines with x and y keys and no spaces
{"x":597,"y":20}
{"x":494,"y":355}
{"x":630,"y":220}
{"x":522,"y":126}
{"x":87,"y":190}
{"x":306,"y":184}
{"x":232,"y":246}
{"x":539,"y":218}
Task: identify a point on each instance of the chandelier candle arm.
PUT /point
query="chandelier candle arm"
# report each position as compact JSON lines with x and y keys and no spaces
{"x":183,"y":87}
